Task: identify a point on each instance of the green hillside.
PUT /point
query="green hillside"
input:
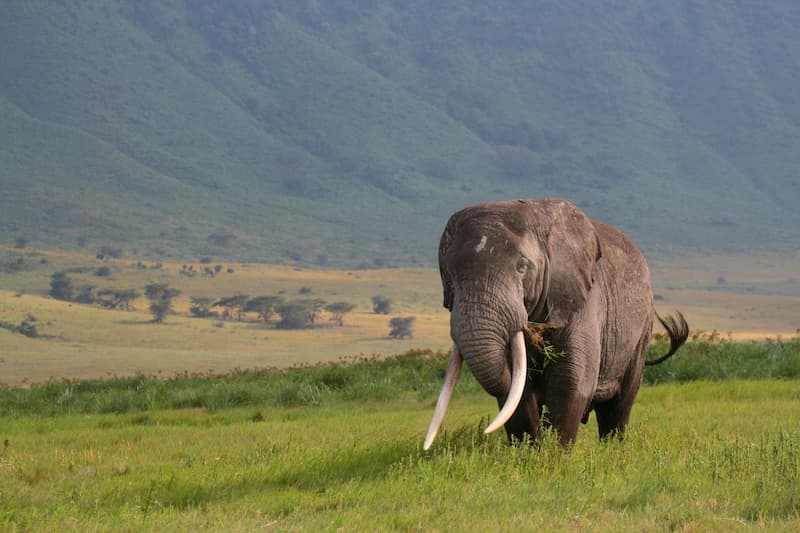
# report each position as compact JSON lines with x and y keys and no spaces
{"x":346,"y":133}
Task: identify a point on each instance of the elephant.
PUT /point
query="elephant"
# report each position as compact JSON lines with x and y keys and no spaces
{"x":549,"y":309}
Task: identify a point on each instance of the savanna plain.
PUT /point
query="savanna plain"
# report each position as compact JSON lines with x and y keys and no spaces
{"x":109,"y":421}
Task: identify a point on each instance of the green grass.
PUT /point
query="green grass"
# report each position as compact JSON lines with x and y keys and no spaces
{"x":713,"y":357}
{"x":714,"y":444}
{"x":361,"y":378}
{"x":708,"y":456}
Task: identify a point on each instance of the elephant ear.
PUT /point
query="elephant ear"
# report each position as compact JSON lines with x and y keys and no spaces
{"x":573,"y":249}
{"x":444,"y":246}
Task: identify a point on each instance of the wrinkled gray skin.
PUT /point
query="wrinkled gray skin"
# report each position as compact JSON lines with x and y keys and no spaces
{"x":506,"y":264}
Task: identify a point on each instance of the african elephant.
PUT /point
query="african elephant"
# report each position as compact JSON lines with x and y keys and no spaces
{"x":548,"y":308}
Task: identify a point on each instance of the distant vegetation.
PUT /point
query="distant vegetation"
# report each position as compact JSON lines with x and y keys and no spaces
{"x":335,"y":445}
{"x":344,"y":133}
{"x":401,"y":327}
{"x":294,"y":314}
{"x":699,"y":457}
{"x":27,"y":326}
{"x":161,"y":296}
{"x":381,"y":305}
{"x":706,"y":357}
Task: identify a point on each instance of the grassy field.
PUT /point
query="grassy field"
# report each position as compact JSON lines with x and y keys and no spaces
{"x":714,"y":442}
{"x":759,"y":298}
{"x":86,"y":341}
{"x":339,"y":448}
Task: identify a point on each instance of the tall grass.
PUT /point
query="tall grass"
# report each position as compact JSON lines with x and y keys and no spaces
{"x":357,"y":378}
{"x":711,"y":356}
{"x":358,"y":466}
{"x":705,"y":357}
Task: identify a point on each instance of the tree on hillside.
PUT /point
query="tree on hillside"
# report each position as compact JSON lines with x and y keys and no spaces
{"x":61,"y":286}
{"x":338,"y":310}
{"x":117,"y":298}
{"x":86,"y":295}
{"x":234,"y":305}
{"x":264,"y":306}
{"x":298,"y":314}
{"x":109,"y":251}
{"x":315,"y":305}
{"x":221,"y":239}
{"x":401,"y":327}
{"x":381,"y":305}
{"x":160,"y":296}
{"x":201,"y":307}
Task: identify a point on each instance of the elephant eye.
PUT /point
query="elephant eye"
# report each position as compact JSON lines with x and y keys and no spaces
{"x":522,"y":265}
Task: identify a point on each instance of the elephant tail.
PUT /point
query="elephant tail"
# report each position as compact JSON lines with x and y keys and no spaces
{"x":678,"y":331}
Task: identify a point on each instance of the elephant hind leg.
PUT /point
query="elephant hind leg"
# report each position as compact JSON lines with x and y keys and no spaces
{"x":613,"y":415}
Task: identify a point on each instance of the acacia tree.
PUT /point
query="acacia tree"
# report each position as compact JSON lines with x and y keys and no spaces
{"x":315,"y":305}
{"x":160,"y":296}
{"x":61,"y":286}
{"x":299,"y":314}
{"x":264,"y":306}
{"x":201,"y":306}
{"x":234,"y":305}
{"x":86,"y":294}
{"x":338,"y":310}
{"x":117,"y":298}
{"x":401,"y":327}
{"x":294,"y":315}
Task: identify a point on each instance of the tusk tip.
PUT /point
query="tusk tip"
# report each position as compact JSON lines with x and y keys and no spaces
{"x":491,"y":428}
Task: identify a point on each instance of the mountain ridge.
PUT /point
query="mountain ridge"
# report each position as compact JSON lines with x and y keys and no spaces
{"x":346,"y":135}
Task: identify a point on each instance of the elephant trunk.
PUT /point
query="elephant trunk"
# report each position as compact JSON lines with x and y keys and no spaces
{"x":483,"y":334}
{"x":482,"y":337}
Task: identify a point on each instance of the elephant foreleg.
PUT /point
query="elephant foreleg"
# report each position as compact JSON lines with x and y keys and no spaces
{"x":565,"y":415}
{"x":526,"y":420}
{"x":570,"y":389}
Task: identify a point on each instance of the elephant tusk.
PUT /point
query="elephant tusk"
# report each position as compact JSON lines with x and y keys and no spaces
{"x":518,"y":375}
{"x":450,"y":380}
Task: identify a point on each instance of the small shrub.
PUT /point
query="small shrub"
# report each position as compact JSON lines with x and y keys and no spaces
{"x":401,"y":327}
{"x":61,"y":286}
{"x":109,"y":251}
{"x":221,"y":239}
{"x":27,"y":327}
{"x":381,"y":305}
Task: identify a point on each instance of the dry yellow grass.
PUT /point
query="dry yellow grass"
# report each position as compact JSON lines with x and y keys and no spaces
{"x":747,"y":295}
{"x":88,"y":341}
{"x":759,"y":297}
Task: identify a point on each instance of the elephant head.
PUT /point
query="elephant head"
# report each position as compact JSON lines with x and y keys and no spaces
{"x":503,"y":265}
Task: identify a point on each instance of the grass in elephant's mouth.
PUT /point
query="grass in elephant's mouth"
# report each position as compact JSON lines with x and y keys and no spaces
{"x":540,"y":350}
